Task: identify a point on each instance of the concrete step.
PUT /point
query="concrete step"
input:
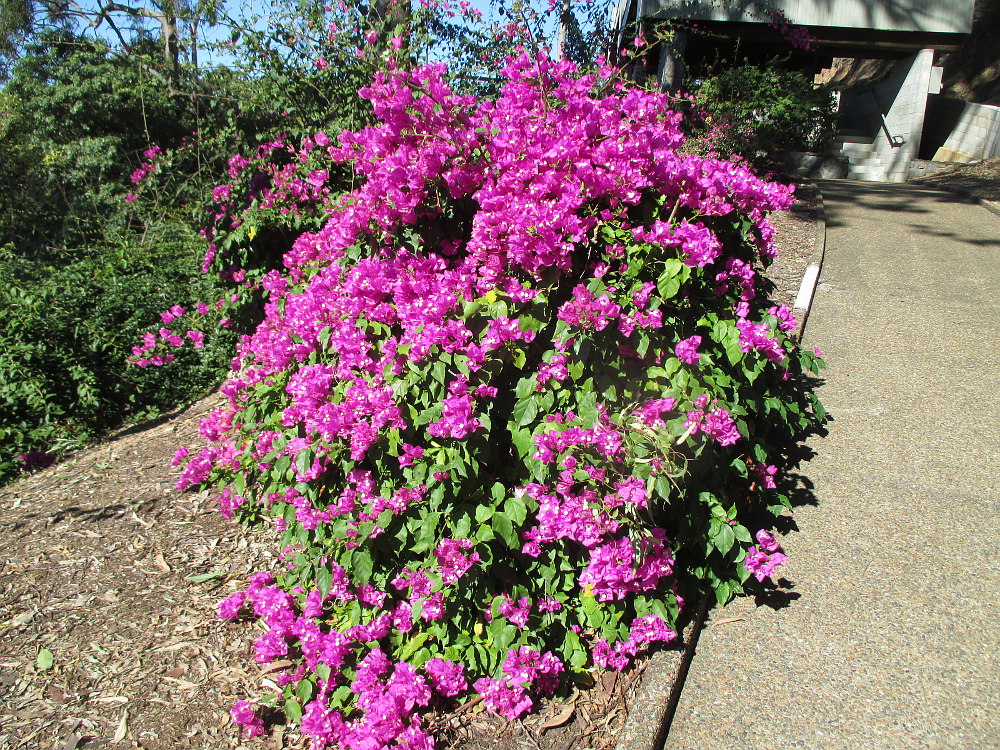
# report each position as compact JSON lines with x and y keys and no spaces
{"x":867,"y":174}
{"x":853,"y":136}
{"x":871,"y":165}
{"x":856,"y":150}
{"x":870,"y":161}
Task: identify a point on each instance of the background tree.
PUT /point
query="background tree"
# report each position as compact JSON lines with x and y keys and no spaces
{"x":76,"y":119}
{"x":174,"y":26}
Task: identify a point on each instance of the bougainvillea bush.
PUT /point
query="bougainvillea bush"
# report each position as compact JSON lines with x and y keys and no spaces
{"x":518,"y":398}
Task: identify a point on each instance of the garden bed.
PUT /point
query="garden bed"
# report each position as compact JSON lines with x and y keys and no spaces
{"x":116,"y":574}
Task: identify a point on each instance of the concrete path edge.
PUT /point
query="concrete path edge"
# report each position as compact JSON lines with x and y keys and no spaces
{"x":651,"y":712}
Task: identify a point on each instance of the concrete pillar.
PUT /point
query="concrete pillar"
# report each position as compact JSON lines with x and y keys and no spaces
{"x":905,"y":117}
{"x":670,"y":74}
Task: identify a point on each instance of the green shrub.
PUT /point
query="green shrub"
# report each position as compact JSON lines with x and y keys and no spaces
{"x":66,"y":334}
{"x":758,"y":112}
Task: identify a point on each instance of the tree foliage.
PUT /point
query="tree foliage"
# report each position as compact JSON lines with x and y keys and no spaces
{"x":77,"y":119}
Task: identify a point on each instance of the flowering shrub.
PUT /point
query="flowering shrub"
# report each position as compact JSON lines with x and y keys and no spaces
{"x":520,"y":396}
{"x":144,"y":170}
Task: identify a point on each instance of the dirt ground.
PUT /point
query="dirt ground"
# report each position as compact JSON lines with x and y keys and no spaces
{"x":110,"y":579}
{"x":980,"y":180}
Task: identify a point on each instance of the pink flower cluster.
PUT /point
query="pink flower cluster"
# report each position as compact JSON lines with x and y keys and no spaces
{"x":523,"y":669}
{"x":362,"y":405}
{"x":758,"y":336}
{"x":798,"y":36}
{"x":453,"y":562}
{"x":617,"y":568}
{"x":645,"y":630}
{"x":388,"y":694}
{"x":762,"y":559}
{"x":152,"y":156}
{"x":586,"y":311}
{"x":716,"y":424}
{"x":167,"y":337}
{"x":687,"y":350}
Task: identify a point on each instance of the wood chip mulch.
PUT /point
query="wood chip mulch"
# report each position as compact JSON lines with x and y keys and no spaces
{"x":116,"y":574}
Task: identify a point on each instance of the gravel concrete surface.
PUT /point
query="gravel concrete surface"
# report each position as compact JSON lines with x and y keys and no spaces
{"x":890,"y":634}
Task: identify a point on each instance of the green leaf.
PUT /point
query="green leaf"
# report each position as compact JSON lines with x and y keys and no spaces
{"x":203,"y":577}
{"x":45,"y":659}
{"x":723,"y":592}
{"x":576,"y":651}
{"x":324,"y":579}
{"x":525,"y":411}
{"x":733,"y":351}
{"x":361,"y":566}
{"x":498,"y":492}
{"x":524,"y":441}
{"x":642,"y":345}
{"x":725,"y":538}
{"x":672,"y":267}
{"x":426,"y":532}
{"x":525,"y":387}
{"x":516,"y":510}
{"x":385,"y":518}
{"x":507,"y":635}
{"x":413,"y":645}
{"x":720,"y":331}
{"x":587,"y":409}
{"x":505,"y":529}
{"x":669,"y":281}
{"x":304,"y":691}
{"x":303,"y":461}
{"x":293,"y":709}
{"x":658,"y":608}
{"x":662,"y":486}
{"x":485,"y":534}
{"x":281,"y":466}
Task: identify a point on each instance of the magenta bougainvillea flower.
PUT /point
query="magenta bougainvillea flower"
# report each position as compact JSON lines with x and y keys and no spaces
{"x":498,"y":401}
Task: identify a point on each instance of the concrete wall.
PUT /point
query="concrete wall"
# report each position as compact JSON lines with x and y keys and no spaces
{"x":954,"y":16}
{"x":905,"y":118}
{"x":956,"y":130}
{"x":884,"y":149}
